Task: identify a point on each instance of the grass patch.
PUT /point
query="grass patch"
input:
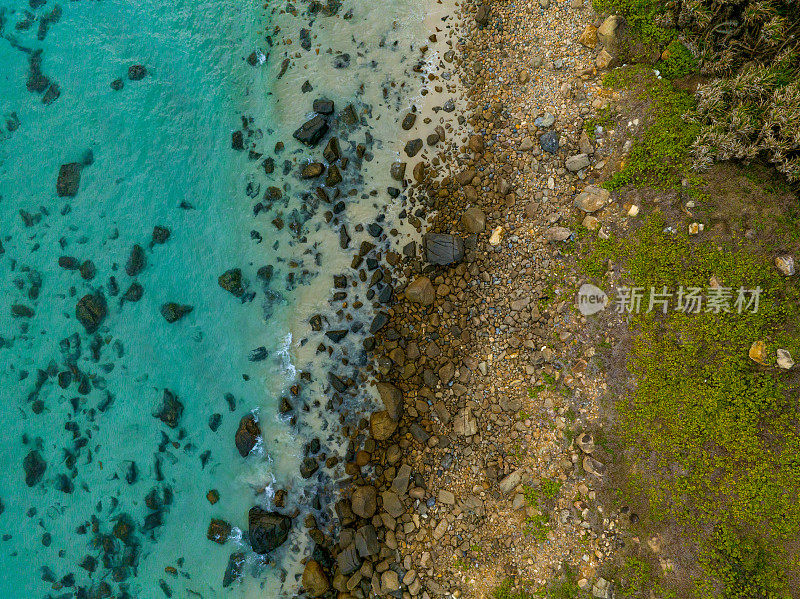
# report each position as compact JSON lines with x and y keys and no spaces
{"x":641,"y":16}
{"x":712,"y":437}
{"x":660,"y":155}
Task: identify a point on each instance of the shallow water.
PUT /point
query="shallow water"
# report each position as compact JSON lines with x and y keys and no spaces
{"x":158,"y":152}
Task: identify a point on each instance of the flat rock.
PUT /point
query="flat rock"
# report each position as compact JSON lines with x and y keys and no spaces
{"x":592,"y":198}
{"x":392,"y":399}
{"x":247,"y":435}
{"x":473,"y":220}
{"x":172,"y":311}
{"x":364,"y":501}
{"x":312,"y":131}
{"x":577,"y":162}
{"x":443,"y":249}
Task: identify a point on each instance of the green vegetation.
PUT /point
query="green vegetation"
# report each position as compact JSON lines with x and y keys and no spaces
{"x":659,"y":157}
{"x":711,"y":437}
{"x":678,"y":62}
{"x":636,"y":576}
{"x":537,"y":527}
{"x":507,"y":590}
{"x":641,"y":16}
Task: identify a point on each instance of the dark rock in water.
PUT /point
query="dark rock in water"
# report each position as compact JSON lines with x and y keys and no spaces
{"x":305,"y":39}
{"x":312,"y":171}
{"x":90,"y":311}
{"x":37,"y":82}
{"x":34,"y":466}
{"x":214,"y":421}
{"x":408,"y":121}
{"x":87,"y":270}
{"x":331,"y":153}
{"x":117,"y":84}
{"x":237,"y":140}
{"x":441,"y":248}
{"x":265,"y":273}
{"x":336,"y":336}
{"x":337,"y":382}
{"x":134,"y":293}
{"x":173,"y":312}
{"x":344,"y":238}
{"x":312,"y":131}
{"x":258,"y":354}
{"x":21,"y":311}
{"x":341,"y":62}
{"x":247,"y":435}
{"x":231,"y":281}
{"x":307,"y":87}
{"x":323,"y":106}
{"x":549,"y":142}
{"x":153,"y":520}
{"x":131,"y":474}
{"x":160,"y":234}
{"x":284,"y":66}
{"x":348,"y":560}
{"x":267,"y":530}
{"x":315,"y":322}
{"x":234,"y":570}
{"x":378,"y":322}
{"x":349,"y":115}
{"x":413,"y":147}
{"x":136,"y":72}
{"x":334,"y":177}
{"x":51,"y":95}
{"x":268,"y":165}
{"x":219,"y":531}
{"x":69,"y":178}
{"x":171,"y":409}
{"x":308,"y":467}
{"x":136,"y":261}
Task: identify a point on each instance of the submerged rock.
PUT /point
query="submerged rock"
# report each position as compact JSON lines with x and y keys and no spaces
{"x":218,"y":531}
{"x":247,"y":435}
{"x":136,"y":261}
{"x":69,"y":178}
{"x":173,"y":312}
{"x":323,"y":106}
{"x":231,"y":281}
{"x":267,"y":530}
{"x":136,"y":72}
{"x":34,"y":466}
{"x":90,"y":311}
{"x":234,"y":570}
{"x":171,"y":409}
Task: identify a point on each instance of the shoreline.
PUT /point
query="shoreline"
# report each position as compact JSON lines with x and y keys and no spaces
{"x":454,"y":396}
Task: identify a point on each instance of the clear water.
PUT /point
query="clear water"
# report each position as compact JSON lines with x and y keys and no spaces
{"x":161,"y":149}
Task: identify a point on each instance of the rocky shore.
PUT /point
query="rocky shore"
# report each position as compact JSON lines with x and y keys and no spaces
{"x":481,"y":468}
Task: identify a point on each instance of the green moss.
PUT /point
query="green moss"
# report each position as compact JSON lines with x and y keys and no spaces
{"x":659,"y":157}
{"x":679,"y":63}
{"x":743,"y":567}
{"x":508,"y":590}
{"x":641,"y":16}
{"x":708,"y":433}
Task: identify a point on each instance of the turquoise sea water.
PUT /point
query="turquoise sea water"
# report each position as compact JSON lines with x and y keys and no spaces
{"x":158,"y":153}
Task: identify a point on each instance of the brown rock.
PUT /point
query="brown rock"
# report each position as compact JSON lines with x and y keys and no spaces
{"x":364,"y":501}
{"x":421,"y":291}
{"x":247,"y":435}
{"x":381,"y":425}
{"x":315,"y":582}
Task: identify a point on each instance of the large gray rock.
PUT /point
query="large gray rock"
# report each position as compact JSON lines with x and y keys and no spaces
{"x":267,"y":530}
{"x":443,"y":249}
{"x":577,"y":162}
{"x":366,"y":541}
